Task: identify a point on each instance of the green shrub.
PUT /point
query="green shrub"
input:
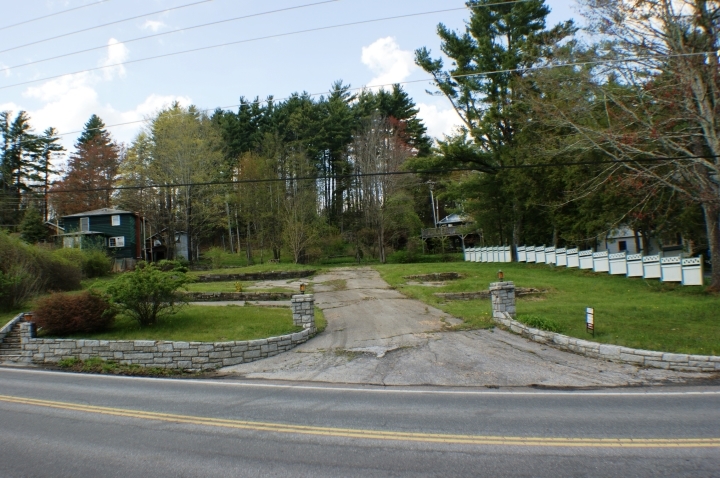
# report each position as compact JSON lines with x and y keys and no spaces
{"x":149,"y":292}
{"x":540,"y":323}
{"x":93,"y":262}
{"x":217,"y":257}
{"x":20,"y":274}
{"x":86,"y":312}
{"x":60,"y":274}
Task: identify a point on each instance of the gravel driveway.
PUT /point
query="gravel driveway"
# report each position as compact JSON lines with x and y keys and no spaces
{"x":375,"y":335}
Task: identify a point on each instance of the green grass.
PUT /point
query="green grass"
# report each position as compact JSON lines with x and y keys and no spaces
{"x":205,"y":324}
{"x":320,"y":322}
{"x":629,"y":312}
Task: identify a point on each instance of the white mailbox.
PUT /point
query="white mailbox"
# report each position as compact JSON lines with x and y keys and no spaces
{"x":635,"y":265}
{"x":692,"y":271}
{"x":530,"y":253}
{"x":586,"y":259}
{"x":561,"y":257}
{"x":550,"y":255}
{"x":508,"y":253}
{"x":572,"y":258}
{"x":670,"y":269}
{"x":601,"y":261}
{"x":521,"y":257}
{"x":651,"y":267}
{"x":617,"y":263}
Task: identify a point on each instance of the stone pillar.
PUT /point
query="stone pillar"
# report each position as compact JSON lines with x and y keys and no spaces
{"x":303,"y":308}
{"x":502,"y":295}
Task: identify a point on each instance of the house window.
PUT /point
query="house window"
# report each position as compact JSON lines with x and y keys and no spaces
{"x":116,"y":241}
{"x":622,"y":246}
{"x":84,"y":224}
{"x":115,"y":220}
{"x":70,"y":242}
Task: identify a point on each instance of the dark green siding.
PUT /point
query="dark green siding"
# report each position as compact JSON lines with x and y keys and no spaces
{"x":103,"y":224}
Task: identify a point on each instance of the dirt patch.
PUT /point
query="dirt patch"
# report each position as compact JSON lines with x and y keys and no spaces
{"x":438,"y":276}
{"x":485,"y":294}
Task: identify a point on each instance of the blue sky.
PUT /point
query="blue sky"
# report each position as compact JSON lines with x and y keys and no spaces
{"x":365,"y":54}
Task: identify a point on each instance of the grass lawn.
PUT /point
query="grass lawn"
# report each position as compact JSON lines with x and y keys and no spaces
{"x":205,"y":324}
{"x":629,"y":312}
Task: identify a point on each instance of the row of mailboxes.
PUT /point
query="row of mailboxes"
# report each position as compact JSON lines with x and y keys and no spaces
{"x":688,"y":271}
{"x":488,"y":254}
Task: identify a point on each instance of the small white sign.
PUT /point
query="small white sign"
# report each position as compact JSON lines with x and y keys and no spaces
{"x":590,"y":318}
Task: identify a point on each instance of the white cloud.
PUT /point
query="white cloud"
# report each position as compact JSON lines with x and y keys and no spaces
{"x":117,"y":53}
{"x":67,"y":102}
{"x":389,"y":63}
{"x":153,"y":25}
{"x":439,"y":122}
{"x":4,"y":70}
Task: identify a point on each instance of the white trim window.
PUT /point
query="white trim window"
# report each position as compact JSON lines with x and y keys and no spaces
{"x":84,"y":224}
{"x":116,"y":241}
{"x":115,"y":220}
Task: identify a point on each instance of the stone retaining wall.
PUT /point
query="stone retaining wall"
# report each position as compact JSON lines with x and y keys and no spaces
{"x":257,"y":276}
{"x":247,"y":296}
{"x":614,"y":353}
{"x":485,"y":294}
{"x":192,"y":356}
{"x":503,"y":312}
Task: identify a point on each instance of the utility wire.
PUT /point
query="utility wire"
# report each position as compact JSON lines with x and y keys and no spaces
{"x":360,"y":88}
{"x":173,"y":31}
{"x":52,"y":15}
{"x":267,"y":37}
{"x":359,"y":175}
{"x":104,"y":25}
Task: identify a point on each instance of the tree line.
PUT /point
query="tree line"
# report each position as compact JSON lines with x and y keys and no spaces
{"x":565,"y":138}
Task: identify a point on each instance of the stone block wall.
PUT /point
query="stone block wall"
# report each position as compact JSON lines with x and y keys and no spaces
{"x":247,"y":296}
{"x":193,"y":356}
{"x":303,"y":308}
{"x":613,"y":353}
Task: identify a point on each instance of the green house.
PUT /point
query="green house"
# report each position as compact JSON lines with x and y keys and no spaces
{"x":118,"y":231}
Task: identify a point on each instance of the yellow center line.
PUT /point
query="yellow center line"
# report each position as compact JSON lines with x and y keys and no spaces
{"x":374,"y":434}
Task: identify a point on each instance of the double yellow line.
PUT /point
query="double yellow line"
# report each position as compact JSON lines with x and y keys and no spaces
{"x":375,"y":434}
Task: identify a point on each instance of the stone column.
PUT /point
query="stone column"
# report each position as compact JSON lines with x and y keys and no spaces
{"x":502,"y":295}
{"x":303,"y":308}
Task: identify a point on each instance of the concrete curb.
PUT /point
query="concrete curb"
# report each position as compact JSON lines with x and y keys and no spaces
{"x":613,"y":353}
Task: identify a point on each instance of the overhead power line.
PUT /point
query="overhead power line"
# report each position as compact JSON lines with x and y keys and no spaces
{"x":360,"y":88}
{"x":248,"y":40}
{"x":104,"y":25}
{"x":359,"y":175}
{"x":25,"y":22}
{"x":146,"y":37}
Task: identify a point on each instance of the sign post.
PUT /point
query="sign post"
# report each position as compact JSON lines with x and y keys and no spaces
{"x":590,"y":320}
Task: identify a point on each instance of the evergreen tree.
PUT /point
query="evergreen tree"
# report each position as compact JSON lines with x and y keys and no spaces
{"x":32,"y":229}
{"x":500,"y":40}
{"x":19,"y":164}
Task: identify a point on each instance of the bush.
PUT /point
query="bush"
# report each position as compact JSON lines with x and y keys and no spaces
{"x":149,"y":292}
{"x":20,"y":274}
{"x":86,"y":312}
{"x":218,"y":257}
{"x":60,"y":274}
{"x":93,"y":262}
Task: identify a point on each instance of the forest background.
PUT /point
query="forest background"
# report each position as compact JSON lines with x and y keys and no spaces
{"x":567,"y":136}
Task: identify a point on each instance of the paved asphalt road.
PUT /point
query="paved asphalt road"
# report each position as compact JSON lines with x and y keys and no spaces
{"x":58,"y":424}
